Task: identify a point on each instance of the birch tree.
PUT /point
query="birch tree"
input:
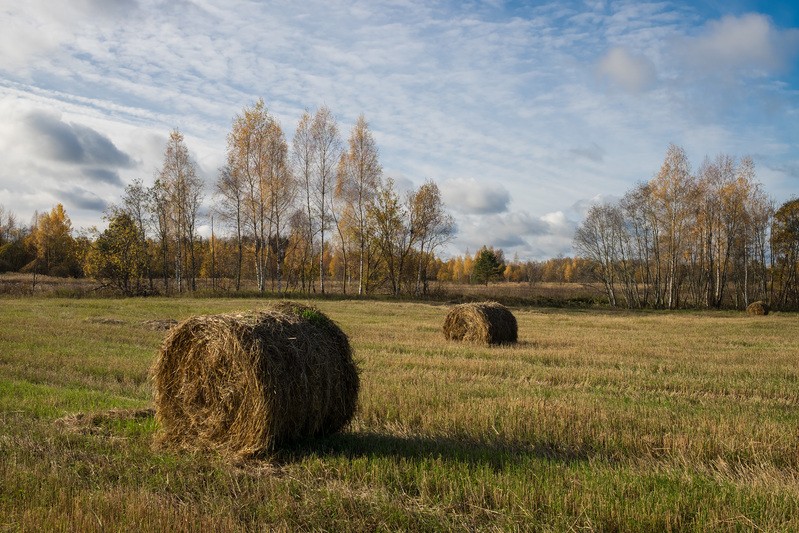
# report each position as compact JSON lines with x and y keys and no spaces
{"x":432,"y":227}
{"x":672,"y":191}
{"x":598,"y":239}
{"x":759,"y":214}
{"x":785,"y":250}
{"x":326,"y":152}
{"x":160,"y":212}
{"x":302,"y":157}
{"x":392,"y":232}
{"x":184,"y":189}
{"x":136,"y":204}
{"x":249,"y":164}
{"x":280,"y":188}
{"x":357,"y":181}
{"x":230,"y":193}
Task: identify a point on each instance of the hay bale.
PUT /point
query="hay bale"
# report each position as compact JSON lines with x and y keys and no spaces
{"x":246,"y":383}
{"x":484,"y":322}
{"x":757,"y":308}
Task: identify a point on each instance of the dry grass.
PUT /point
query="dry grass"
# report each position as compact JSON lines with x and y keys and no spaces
{"x":484,"y":322}
{"x":247,"y":382}
{"x":595,"y":421}
{"x":164,"y":324}
{"x":97,"y":423}
{"x":545,"y":293}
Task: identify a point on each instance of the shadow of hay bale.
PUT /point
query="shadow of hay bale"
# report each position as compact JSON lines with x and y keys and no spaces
{"x":483,"y":322}
{"x":243,"y":384}
{"x":758,"y":308}
{"x":498,"y":454}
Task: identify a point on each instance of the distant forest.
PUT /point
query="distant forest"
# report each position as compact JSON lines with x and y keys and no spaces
{"x":317,"y":215}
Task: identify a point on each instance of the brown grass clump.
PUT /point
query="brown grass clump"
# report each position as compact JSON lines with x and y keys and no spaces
{"x":104,"y":320}
{"x":96,"y":423}
{"x":160,"y":325}
{"x":757,"y":308}
{"x":484,"y":322}
{"x":246,"y":383}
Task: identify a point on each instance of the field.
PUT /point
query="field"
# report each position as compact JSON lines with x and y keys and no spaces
{"x":598,"y":421}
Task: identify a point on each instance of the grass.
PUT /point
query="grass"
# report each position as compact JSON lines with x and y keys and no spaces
{"x":599,"y":421}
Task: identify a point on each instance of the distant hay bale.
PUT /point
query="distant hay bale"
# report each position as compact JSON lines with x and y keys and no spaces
{"x":757,"y":308}
{"x":246,"y":383}
{"x":485,"y":322}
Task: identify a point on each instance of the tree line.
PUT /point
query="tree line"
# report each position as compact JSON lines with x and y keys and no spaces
{"x":284,"y":216}
{"x":708,"y":239}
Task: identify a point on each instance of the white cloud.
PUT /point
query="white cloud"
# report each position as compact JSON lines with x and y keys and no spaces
{"x":580,"y":208}
{"x":749,"y":43}
{"x":558,"y":223}
{"x":517,"y":232}
{"x":468,"y":196}
{"x":630,"y":71}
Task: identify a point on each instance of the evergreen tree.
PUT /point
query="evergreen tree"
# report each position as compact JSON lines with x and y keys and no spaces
{"x":489,"y":265}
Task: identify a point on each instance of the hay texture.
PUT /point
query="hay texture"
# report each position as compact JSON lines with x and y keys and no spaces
{"x":245,"y":383}
{"x":485,"y":322}
{"x":757,"y":308}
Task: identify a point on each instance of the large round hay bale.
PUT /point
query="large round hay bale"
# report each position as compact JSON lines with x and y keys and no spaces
{"x":484,"y":322}
{"x":757,"y":308}
{"x":245,"y":383}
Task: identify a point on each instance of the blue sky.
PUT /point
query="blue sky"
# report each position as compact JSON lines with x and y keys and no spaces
{"x":524,"y":112}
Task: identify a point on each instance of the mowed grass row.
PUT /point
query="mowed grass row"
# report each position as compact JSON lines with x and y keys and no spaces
{"x":595,"y":420}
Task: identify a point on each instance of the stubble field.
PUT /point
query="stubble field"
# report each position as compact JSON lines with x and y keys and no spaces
{"x":603,"y":421}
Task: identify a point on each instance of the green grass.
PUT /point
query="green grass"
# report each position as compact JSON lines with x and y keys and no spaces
{"x":603,"y":421}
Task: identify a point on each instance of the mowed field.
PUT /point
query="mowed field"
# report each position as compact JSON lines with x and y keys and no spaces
{"x":598,"y":421}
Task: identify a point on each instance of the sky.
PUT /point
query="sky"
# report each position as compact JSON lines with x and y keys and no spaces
{"x":524,"y":113}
